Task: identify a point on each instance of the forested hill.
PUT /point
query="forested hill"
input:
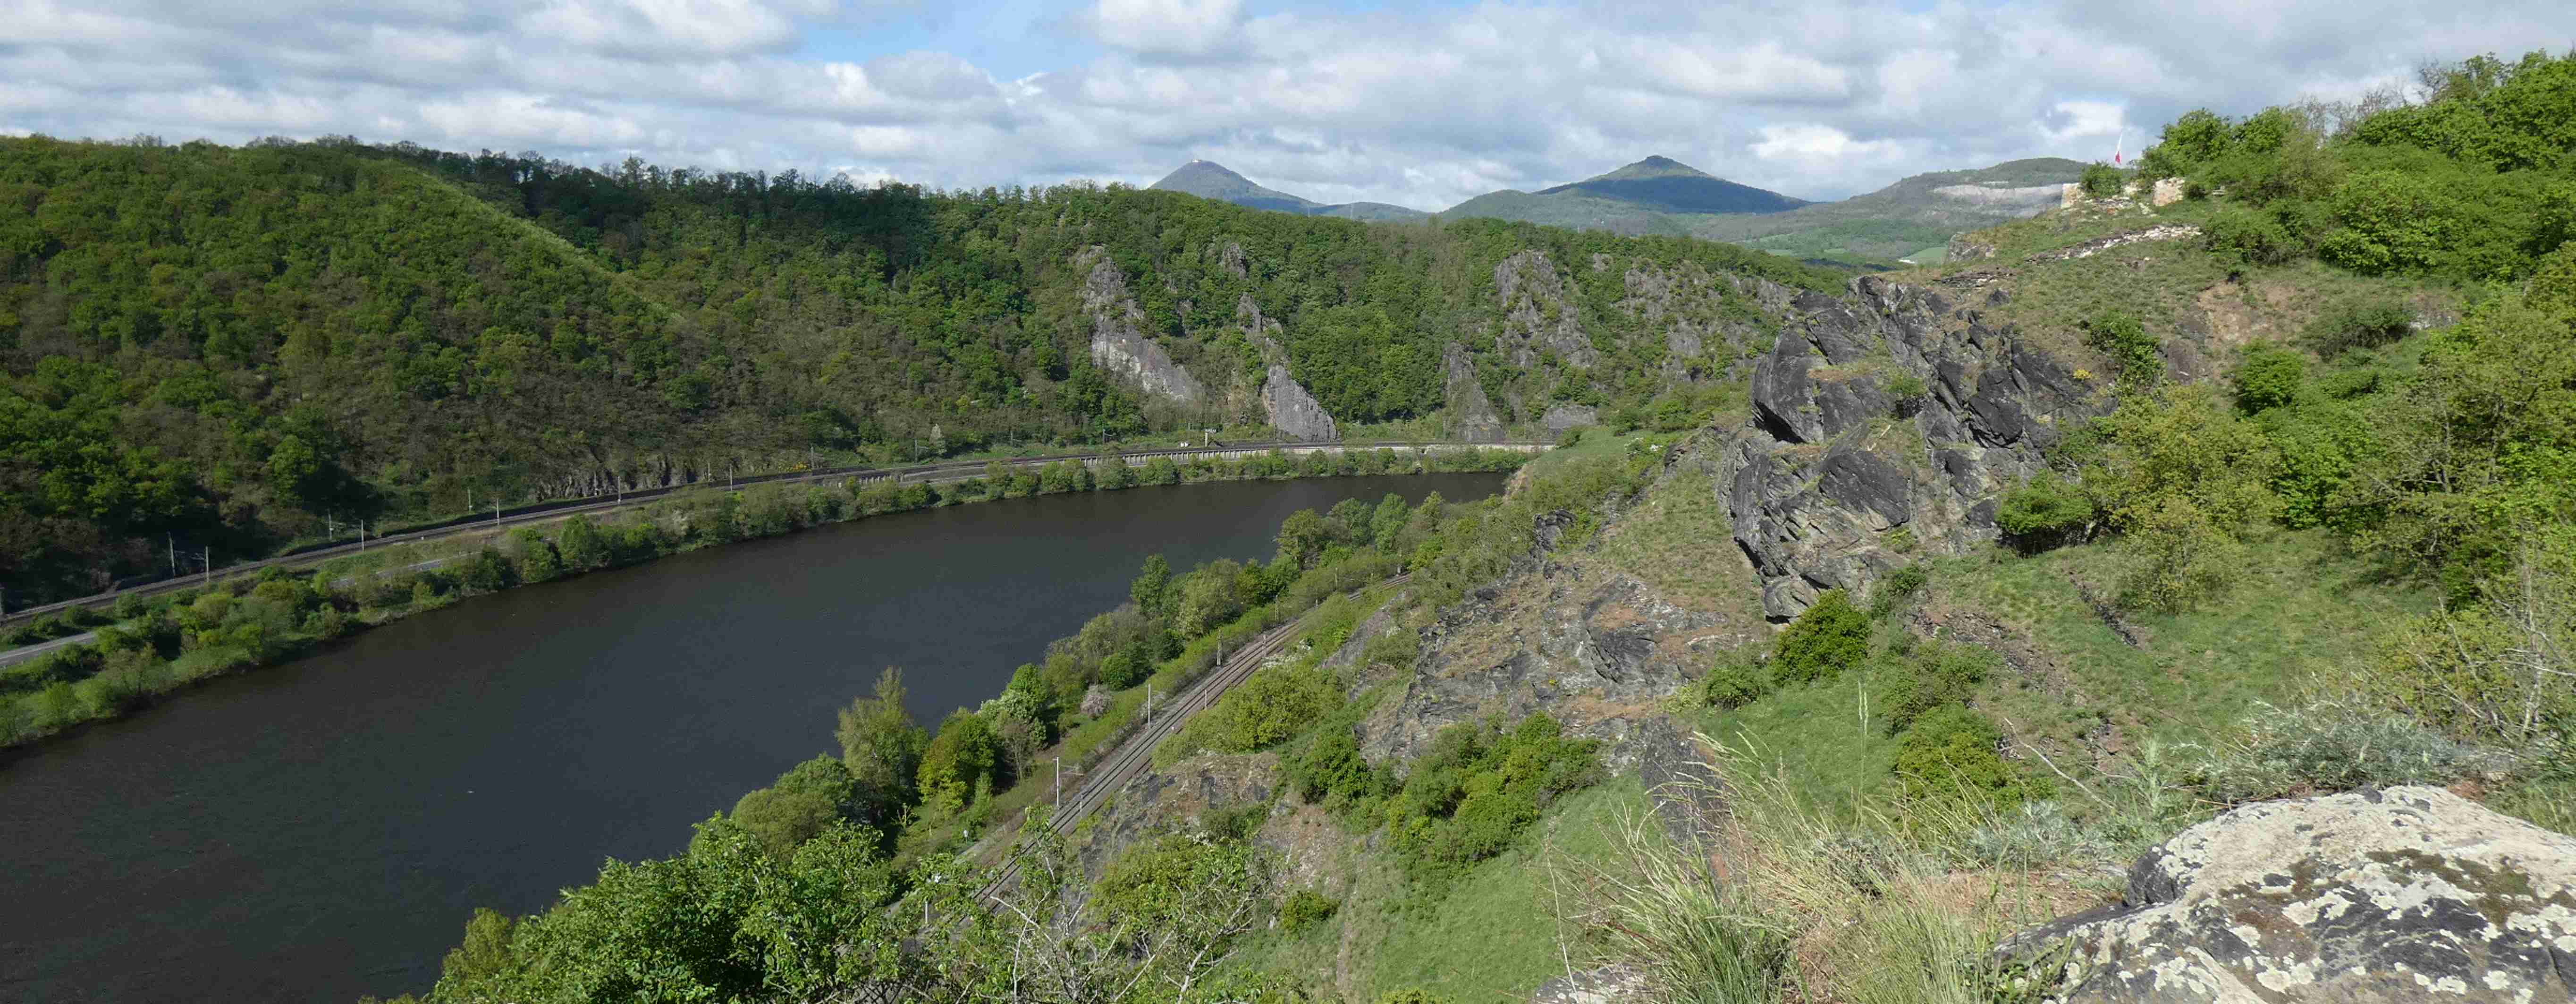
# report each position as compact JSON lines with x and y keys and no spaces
{"x":229,"y":346}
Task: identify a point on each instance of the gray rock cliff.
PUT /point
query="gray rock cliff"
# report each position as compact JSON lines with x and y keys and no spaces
{"x":1471,"y":413}
{"x":1886,"y":427}
{"x":1294,"y":412}
{"x":1117,"y":345}
{"x":1538,"y":314}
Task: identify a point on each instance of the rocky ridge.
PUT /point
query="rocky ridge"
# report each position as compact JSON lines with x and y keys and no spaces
{"x":1884,"y":428}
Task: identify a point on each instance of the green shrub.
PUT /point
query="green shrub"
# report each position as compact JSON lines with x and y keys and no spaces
{"x":2358,"y":324}
{"x":2045,"y":511}
{"x":801,"y":804}
{"x":538,"y":561}
{"x":1830,"y":638}
{"x":1735,"y":681}
{"x":1305,"y":909}
{"x":2181,"y":557}
{"x":1952,"y":750}
{"x":1478,"y":786}
{"x":2500,"y":671}
{"x":2270,"y":377}
{"x":2137,"y":355}
{"x":964,"y":757}
{"x":1274,"y":704}
{"x":1899,"y":586}
{"x":2553,"y":282}
{"x":2393,"y":222}
{"x":2102,"y":181}
{"x":2244,"y":236}
{"x":1930,"y":675}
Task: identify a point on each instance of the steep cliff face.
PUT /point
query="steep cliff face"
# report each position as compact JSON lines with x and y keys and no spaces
{"x":1286,"y":405}
{"x":1884,"y":429}
{"x":1117,"y":345}
{"x":1471,"y":413}
{"x":1292,"y":411}
{"x":1538,"y":316}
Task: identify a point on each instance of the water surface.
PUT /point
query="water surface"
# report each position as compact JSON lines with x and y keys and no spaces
{"x":321,"y":830}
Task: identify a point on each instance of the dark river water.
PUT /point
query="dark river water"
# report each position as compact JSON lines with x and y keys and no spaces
{"x":321,"y":830}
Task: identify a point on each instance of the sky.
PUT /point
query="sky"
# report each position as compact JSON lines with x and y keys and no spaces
{"x":1422,"y":104}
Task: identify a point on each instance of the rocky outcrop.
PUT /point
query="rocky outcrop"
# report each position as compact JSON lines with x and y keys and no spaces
{"x":1117,"y":345}
{"x":1471,"y":413}
{"x":1293,"y":412}
{"x":1561,"y":417}
{"x":2023,"y":200}
{"x":2164,"y":232}
{"x":1285,"y":404}
{"x":1884,"y":428}
{"x":1616,"y":983}
{"x":1968,"y":247}
{"x":1680,"y":301}
{"x":1538,"y":315}
{"x":1595,"y":647}
{"x":2374,"y":897}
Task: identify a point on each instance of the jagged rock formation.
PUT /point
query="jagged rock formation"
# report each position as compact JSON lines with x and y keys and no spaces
{"x":1471,"y":413}
{"x":1567,"y":632}
{"x":1293,"y":412}
{"x":1116,"y":343}
{"x":1537,"y":314}
{"x":2404,"y":894}
{"x":1285,"y":404}
{"x":1886,"y":428}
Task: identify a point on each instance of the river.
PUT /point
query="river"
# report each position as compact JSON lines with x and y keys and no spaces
{"x":321,"y":830}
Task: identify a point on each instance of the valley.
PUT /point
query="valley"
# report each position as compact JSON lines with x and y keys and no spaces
{"x":2054,"y":582}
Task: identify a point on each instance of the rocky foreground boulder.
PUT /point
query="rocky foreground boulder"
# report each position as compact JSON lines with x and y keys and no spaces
{"x":2401,"y":894}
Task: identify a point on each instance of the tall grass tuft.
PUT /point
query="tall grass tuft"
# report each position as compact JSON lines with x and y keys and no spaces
{"x":1786,"y":900}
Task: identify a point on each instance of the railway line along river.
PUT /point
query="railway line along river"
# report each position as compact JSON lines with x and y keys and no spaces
{"x":320,"y":830}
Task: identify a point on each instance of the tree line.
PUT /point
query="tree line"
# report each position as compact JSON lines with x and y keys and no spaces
{"x":240,"y":347}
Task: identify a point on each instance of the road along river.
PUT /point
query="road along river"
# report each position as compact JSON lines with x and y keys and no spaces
{"x":320,"y":830}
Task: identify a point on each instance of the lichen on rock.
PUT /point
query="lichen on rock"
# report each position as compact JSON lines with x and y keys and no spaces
{"x":2399,"y":894}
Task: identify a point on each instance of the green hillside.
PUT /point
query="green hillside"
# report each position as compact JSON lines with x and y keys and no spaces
{"x":1917,"y":214}
{"x":237,"y":347}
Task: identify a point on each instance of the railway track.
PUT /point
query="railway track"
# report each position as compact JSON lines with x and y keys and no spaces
{"x":1137,"y":752}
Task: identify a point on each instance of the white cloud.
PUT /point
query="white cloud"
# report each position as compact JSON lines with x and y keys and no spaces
{"x":1183,"y":27}
{"x":1423,"y":107}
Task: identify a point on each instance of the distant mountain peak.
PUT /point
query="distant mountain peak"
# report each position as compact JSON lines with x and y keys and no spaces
{"x":1208,"y":179}
{"x":1663,"y":184}
{"x":1657,"y":164}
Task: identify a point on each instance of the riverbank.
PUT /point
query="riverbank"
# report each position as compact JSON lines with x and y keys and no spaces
{"x":161,"y":644}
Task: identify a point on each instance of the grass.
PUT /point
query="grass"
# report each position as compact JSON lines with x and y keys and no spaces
{"x":2174,"y":286}
{"x":1492,"y":935}
{"x":1815,"y":738}
{"x":1596,"y":442}
{"x":2302,"y":612}
{"x":1680,"y":541}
